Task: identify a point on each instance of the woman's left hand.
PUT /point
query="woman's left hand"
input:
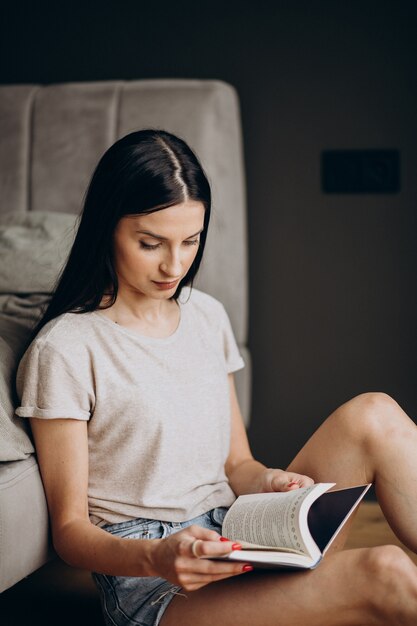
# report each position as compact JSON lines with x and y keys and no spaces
{"x":280,"y":480}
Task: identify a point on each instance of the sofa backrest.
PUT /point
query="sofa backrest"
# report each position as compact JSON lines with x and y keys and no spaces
{"x":51,"y":138}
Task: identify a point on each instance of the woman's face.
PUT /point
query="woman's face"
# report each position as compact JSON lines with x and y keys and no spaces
{"x":153,"y":252}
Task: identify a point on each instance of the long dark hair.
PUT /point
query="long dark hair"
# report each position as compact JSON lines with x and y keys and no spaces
{"x":143,"y":172}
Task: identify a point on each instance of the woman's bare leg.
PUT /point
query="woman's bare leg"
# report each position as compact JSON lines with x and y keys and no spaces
{"x":369,"y":439}
{"x":364,"y":587}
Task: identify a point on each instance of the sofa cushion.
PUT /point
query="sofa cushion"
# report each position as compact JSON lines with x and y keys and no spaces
{"x":24,"y":540}
{"x":33,"y":249}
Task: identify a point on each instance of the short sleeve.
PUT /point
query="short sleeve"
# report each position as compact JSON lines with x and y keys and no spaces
{"x":52,"y":384}
{"x":232,"y":355}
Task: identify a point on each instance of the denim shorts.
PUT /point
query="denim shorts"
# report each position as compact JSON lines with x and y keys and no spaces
{"x":142,"y":601}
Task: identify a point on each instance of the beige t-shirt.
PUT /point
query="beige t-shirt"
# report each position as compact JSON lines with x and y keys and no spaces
{"x":158,"y":408}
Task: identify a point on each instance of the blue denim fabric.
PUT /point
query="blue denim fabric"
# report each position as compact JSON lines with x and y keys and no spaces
{"x":128,"y":600}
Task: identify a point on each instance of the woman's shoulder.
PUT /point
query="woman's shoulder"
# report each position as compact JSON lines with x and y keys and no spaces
{"x":58,"y":355}
{"x":200,"y":300}
{"x":205,"y":307}
{"x":64,"y":331}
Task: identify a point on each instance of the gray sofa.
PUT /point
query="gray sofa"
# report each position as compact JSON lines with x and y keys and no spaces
{"x":50,"y":140}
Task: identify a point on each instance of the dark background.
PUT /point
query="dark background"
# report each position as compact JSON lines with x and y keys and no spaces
{"x":333,"y":297}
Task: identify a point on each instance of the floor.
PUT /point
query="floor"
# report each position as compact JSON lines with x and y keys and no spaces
{"x":58,"y":595}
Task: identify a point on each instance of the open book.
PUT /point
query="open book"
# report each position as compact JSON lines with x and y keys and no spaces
{"x":291,"y":529}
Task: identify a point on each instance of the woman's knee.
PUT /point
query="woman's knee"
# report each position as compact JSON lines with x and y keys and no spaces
{"x":385,"y":560}
{"x":373,"y":402}
{"x":369,"y":416}
{"x":392,"y":579}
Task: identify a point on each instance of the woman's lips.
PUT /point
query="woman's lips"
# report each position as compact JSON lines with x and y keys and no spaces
{"x":165,"y":285}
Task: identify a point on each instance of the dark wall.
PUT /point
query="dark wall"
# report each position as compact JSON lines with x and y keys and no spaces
{"x":333,"y":277}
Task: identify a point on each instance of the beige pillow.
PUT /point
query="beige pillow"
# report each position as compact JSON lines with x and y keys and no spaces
{"x":33,"y":249}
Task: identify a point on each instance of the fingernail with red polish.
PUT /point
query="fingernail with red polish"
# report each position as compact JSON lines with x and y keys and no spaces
{"x":224,"y":539}
{"x":236,"y":546}
{"x":247,"y":568}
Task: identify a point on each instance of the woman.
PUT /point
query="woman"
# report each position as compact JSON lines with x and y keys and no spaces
{"x":129,"y":389}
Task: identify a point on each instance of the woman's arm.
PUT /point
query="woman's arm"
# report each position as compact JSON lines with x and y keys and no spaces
{"x":62,"y":449}
{"x":245,"y":474}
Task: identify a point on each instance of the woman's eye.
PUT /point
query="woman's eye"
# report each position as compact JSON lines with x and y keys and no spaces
{"x":149,"y":246}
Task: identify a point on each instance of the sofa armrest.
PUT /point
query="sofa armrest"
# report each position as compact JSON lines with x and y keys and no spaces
{"x":25,"y":543}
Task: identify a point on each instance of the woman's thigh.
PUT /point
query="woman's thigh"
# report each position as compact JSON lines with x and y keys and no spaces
{"x":336,"y":450}
{"x":344,"y":590}
{"x":336,"y":453}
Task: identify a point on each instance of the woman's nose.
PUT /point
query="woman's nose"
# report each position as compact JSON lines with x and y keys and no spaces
{"x":171,"y":265}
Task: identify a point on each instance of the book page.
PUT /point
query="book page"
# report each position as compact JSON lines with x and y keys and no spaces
{"x":268,"y":519}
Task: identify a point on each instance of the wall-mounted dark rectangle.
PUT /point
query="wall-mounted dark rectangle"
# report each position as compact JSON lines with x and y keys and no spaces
{"x":360,"y":171}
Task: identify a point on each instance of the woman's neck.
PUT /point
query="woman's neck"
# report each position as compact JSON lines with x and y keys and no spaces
{"x":156,"y":318}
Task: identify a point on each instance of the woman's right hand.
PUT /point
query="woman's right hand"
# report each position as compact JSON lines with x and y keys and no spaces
{"x":182,"y":559}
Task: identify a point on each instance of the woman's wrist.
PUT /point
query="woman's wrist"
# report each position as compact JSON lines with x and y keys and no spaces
{"x":282,"y":480}
{"x":247,"y":477}
{"x":140,"y":556}
{"x":269,"y":475}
